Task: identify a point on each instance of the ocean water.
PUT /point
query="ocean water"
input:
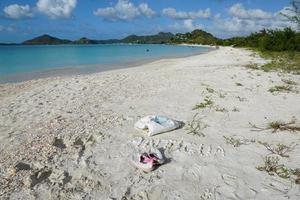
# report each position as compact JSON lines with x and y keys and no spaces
{"x":16,"y":60}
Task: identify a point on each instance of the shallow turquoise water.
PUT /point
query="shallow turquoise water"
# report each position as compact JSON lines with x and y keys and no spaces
{"x":18,"y":59}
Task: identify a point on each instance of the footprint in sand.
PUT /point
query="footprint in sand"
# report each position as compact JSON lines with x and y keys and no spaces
{"x":208,"y":194}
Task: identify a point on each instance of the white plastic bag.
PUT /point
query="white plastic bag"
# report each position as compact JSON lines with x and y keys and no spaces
{"x":156,"y":124}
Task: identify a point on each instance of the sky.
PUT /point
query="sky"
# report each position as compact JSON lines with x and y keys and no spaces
{"x":105,"y":19}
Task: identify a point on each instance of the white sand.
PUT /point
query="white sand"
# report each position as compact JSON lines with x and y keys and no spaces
{"x":92,"y":117}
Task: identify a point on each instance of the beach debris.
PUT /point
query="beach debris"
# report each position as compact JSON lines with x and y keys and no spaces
{"x":147,"y":162}
{"x":155,"y":124}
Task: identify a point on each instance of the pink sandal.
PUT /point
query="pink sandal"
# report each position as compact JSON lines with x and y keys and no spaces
{"x":147,"y":162}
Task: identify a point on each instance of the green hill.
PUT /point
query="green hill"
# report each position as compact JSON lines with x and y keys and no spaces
{"x":46,"y":39}
{"x":195,"y":37}
{"x":160,"y":38}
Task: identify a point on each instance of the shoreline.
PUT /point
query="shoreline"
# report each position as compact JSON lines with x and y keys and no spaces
{"x":75,"y":70}
{"x":77,"y":132}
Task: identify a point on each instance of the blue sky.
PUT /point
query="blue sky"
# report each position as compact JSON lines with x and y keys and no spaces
{"x":104,"y":19}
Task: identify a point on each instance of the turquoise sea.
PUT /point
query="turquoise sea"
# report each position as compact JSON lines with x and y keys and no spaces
{"x":18,"y":61}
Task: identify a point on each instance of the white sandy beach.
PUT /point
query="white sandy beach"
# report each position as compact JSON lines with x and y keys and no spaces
{"x":72,"y":137}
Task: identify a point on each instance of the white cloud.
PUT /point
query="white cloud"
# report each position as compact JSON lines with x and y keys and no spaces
{"x":174,"y":14}
{"x":16,"y":11}
{"x":125,"y":10}
{"x":56,"y":8}
{"x":185,"y":25}
{"x":244,"y":22}
{"x":240,"y":25}
{"x":238,"y":10}
{"x":190,"y":26}
{"x":241,"y":20}
{"x":144,"y":9}
{"x":108,"y":12}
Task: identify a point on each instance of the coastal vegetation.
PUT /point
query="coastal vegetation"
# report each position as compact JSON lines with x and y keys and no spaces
{"x":236,"y":142}
{"x":279,"y":149}
{"x":271,"y":166}
{"x":195,"y":126}
{"x":207,"y":102}
{"x":288,"y":61}
{"x":267,"y":40}
{"x":276,"y":126}
{"x":289,"y":81}
{"x":281,"y":88}
{"x":281,"y":47}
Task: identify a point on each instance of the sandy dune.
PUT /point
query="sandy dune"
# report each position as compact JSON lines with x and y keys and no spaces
{"x":72,"y":137}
